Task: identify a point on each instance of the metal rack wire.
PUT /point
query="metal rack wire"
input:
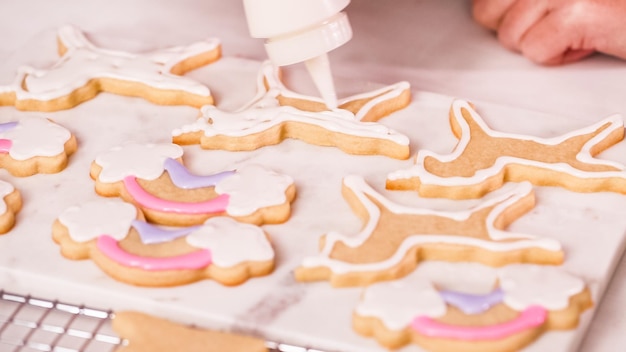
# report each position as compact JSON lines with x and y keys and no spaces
{"x":29,"y":324}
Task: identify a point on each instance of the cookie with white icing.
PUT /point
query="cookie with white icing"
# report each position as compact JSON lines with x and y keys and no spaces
{"x":484,"y":159}
{"x":277,"y":113}
{"x":395,"y":237}
{"x":10,"y":205}
{"x":114,"y":235}
{"x":84,"y":70}
{"x":153,"y":177}
{"x":470,"y":307}
{"x":35,"y":145}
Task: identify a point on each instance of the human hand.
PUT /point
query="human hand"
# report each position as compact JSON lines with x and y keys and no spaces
{"x":554,"y":32}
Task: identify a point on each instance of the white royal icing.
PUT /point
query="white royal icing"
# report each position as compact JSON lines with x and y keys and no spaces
{"x":547,"y":286}
{"x":264,"y":112}
{"x":363,"y":191}
{"x":83,"y":62}
{"x":36,"y":136}
{"x":89,"y":220}
{"x":5,"y":189}
{"x":231,"y":242}
{"x":396,"y":303}
{"x":143,"y":161}
{"x":253,"y":187}
{"x":585,"y":155}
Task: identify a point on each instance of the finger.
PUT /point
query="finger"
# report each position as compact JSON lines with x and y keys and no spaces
{"x":489,"y":13}
{"x":549,"y":41}
{"x":521,"y":16}
{"x":571,"y":56}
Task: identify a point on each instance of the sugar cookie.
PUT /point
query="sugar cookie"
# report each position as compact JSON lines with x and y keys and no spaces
{"x":265,"y":122}
{"x":395,"y":238}
{"x":84,"y":70}
{"x":484,"y":159}
{"x":440,"y":307}
{"x":10,"y":205}
{"x":35,"y":145}
{"x":113,"y":234}
{"x":152,"y":177}
{"x":148,"y":333}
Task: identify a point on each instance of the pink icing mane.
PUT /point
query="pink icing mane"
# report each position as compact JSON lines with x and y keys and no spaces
{"x":192,"y":261}
{"x":145,"y":199}
{"x":5,"y":145}
{"x":531,"y":317}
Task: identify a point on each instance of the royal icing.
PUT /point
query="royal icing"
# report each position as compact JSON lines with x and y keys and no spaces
{"x":398,"y":303}
{"x":253,"y":187}
{"x":144,"y":161}
{"x":83,"y":62}
{"x":191,"y":261}
{"x":92,"y":219}
{"x":264,"y":113}
{"x":365,"y":194}
{"x":220,"y":240}
{"x":231,"y":242}
{"x":239,"y":193}
{"x":591,"y":179}
{"x":471,"y":303}
{"x":33,"y":136}
{"x":530,"y":318}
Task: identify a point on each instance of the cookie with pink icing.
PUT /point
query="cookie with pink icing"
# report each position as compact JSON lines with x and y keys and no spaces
{"x":152,"y":177}
{"x":470,"y":307}
{"x":10,"y":205}
{"x":277,"y":113}
{"x":84,"y":70}
{"x":484,"y":159}
{"x":35,"y":145}
{"x":114,"y":235}
{"x":395,"y":237}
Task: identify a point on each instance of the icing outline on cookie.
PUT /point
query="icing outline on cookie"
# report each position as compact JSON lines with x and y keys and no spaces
{"x":375,"y":209}
{"x":264,"y":122}
{"x":588,"y":174}
{"x":84,"y":70}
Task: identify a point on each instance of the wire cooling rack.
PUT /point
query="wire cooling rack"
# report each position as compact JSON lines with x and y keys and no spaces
{"x":29,"y":324}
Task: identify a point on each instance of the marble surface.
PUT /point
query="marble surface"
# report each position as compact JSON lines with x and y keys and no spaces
{"x":432,"y":44}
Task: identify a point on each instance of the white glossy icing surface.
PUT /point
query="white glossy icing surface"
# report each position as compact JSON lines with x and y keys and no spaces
{"x":83,"y":62}
{"x":143,"y":161}
{"x":547,"y":286}
{"x":36,"y":136}
{"x":253,"y":187}
{"x":397,"y":303}
{"x":231,"y":242}
{"x":91,"y":219}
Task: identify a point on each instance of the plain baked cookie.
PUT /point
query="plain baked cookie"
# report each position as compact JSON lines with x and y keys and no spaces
{"x":146,"y":333}
{"x":10,"y":205}
{"x":277,"y":114}
{"x":35,"y":145}
{"x":395,"y":238}
{"x":484,"y":159}
{"x":445,"y":307}
{"x":112,"y":233}
{"x":84,"y":70}
{"x":152,"y":177}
